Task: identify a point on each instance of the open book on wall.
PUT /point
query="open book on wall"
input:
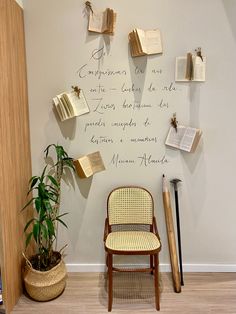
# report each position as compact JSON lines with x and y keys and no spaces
{"x":102,"y":22}
{"x":190,"y":68}
{"x":145,"y":42}
{"x":70,"y":105}
{"x":185,"y":138}
{"x":88,"y":165}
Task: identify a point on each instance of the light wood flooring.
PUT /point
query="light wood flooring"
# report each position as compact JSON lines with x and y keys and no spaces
{"x":203,"y":293}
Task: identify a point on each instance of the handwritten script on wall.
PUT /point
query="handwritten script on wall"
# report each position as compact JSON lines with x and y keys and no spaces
{"x":124,"y":106}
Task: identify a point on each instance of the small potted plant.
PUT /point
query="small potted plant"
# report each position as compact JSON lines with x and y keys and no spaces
{"x":45,"y":272}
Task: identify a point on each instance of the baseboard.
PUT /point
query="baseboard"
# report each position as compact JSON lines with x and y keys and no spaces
{"x":195,"y":268}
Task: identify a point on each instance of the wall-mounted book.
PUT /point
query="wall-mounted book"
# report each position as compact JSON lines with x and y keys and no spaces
{"x":190,"y":68}
{"x":102,"y":22}
{"x":183,"y":138}
{"x":88,"y":165}
{"x":70,"y":104}
{"x":145,"y":42}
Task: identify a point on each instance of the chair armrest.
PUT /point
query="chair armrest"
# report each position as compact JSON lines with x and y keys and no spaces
{"x":155,"y":228}
{"x":106,"y":230}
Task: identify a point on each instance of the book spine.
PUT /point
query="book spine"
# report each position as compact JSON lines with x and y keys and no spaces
{"x":189,"y":67}
{"x":79,"y":169}
{"x":196,"y":141}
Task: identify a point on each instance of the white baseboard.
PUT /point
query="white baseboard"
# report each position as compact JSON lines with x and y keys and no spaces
{"x":195,"y":268}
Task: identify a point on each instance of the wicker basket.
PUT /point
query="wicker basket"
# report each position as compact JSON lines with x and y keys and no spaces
{"x":45,"y":285}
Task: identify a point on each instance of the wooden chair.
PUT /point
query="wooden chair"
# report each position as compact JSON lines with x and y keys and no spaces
{"x":129,"y":211}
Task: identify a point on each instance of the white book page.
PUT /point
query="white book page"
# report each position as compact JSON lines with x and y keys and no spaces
{"x":97,"y":21}
{"x":86,"y":166}
{"x":180,"y":69}
{"x":131,"y":44}
{"x":174,"y":138}
{"x":188,"y":138}
{"x":109,"y":21}
{"x":64,"y":112}
{"x":141,"y":40}
{"x":153,"y":41}
{"x":58,"y":109}
{"x":70,"y":108}
{"x":79,"y":104}
{"x":96,"y":162}
{"x":64,"y":108}
{"x":199,"y":69}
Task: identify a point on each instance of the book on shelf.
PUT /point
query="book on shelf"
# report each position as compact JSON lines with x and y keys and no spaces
{"x":70,"y":104}
{"x":190,"y":68}
{"x":88,"y":165}
{"x":145,"y":42}
{"x":183,"y":138}
{"x":102,"y":22}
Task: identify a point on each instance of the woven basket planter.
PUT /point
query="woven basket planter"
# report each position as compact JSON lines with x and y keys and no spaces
{"x":45,"y":285}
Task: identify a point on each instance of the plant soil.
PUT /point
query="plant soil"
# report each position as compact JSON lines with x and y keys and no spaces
{"x":41,"y":266}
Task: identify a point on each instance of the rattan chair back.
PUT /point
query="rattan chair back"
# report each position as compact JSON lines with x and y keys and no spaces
{"x":130,"y":205}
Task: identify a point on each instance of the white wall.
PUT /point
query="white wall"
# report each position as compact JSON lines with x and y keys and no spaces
{"x":58,"y":45}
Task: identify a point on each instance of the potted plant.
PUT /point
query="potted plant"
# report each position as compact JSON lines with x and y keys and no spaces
{"x":45,"y":272}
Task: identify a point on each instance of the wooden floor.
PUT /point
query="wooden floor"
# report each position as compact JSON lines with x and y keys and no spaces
{"x":203,"y":293}
{"x":2,"y":309}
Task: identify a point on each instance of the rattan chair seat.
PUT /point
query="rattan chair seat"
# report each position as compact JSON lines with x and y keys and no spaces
{"x":132,"y":241}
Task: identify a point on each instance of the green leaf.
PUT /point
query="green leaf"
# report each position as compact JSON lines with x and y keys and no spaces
{"x":32,"y":178}
{"x":53,"y":180}
{"x":50,"y":225}
{"x":34,"y":188}
{"x":28,"y":239}
{"x":65,"y":154}
{"x":43,"y":173}
{"x":42,"y":190}
{"x":52,"y":189}
{"x":27,"y":204}
{"x":38,"y":203}
{"x":62,"y":222}
{"x":67,"y":158}
{"x":36,"y":231}
{"x":42,"y":214}
{"x":45,"y":232}
{"x":34,"y":181}
{"x":28,"y":224}
{"x":62,"y":215}
{"x":69,"y":163}
{"x":60,"y":152}
{"x":53,"y":197}
{"x":47,"y":205}
{"x":52,"y":194}
{"x":47,"y":149}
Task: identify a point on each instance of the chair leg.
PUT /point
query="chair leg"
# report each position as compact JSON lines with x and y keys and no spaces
{"x":151,"y":263}
{"x":107,"y":259}
{"x":156,"y":281}
{"x":110,"y":294}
